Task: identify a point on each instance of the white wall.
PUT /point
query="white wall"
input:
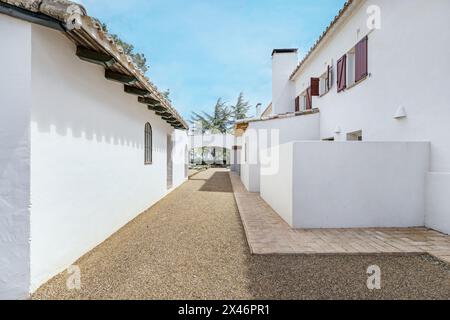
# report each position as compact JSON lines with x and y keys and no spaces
{"x":261,"y":135}
{"x":352,"y":184}
{"x":407,"y":67}
{"x":277,"y":187}
{"x":88,"y":176}
{"x":397,"y":79}
{"x":438,"y":201}
{"x":283,"y":65}
{"x":180,"y":156}
{"x":15,"y":87}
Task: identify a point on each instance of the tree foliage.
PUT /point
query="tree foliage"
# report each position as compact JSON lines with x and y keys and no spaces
{"x":166,"y":95}
{"x":223,"y":117}
{"x":217,"y":122}
{"x":138,"y":58}
{"x":241,"y":108}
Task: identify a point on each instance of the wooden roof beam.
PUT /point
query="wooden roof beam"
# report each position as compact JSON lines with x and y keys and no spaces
{"x":163,"y":114}
{"x":99,"y":58}
{"x":120,"y":77}
{"x":149,"y":100}
{"x":136,"y":91}
{"x":158,"y":108}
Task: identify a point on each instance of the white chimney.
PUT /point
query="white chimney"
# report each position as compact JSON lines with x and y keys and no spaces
{"x":258,"y":111}
{"x":284,"y":61}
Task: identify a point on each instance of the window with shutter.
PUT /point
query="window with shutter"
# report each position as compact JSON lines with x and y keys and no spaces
{"x":342,"y":73}
{"x":297,"y":104}
{"x":361,"y":65}
{"x":329,"y":81}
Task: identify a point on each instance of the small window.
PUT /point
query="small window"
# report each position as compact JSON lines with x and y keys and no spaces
{"x":355,"y":136}
{"x":326,"y":81}
{"x":302,"y":101}
{"x":148,"y":149}
{"x":353,"y":66}
{"x":351,"y":56}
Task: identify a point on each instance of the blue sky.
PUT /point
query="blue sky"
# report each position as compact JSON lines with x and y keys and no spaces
{"x":205,"y":49}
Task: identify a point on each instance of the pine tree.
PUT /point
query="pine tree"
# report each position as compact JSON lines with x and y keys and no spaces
{"x":240,"y":109}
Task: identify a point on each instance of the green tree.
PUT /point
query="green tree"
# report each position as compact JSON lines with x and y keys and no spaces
{"x":240,"y":109}
{"x":217,"y":122}
{"x":138,"y":58}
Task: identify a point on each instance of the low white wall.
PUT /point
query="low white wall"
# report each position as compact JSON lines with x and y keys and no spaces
{"x":88,"y":177}
{"x":277,"y":186}
{"x":250,"y":177}
{"x":360,"y":184}
{"x":15,"y":66}
{"x":351,"y":184}
{"x":262,"y":135}
{"x":438,"y":202}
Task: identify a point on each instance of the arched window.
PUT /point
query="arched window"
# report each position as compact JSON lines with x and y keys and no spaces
{"x":148,"y":144}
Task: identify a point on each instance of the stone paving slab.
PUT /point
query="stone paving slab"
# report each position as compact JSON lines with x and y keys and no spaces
{"x":268,"y":233}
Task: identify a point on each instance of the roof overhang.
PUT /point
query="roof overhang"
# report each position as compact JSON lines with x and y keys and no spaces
{"x":93,"y":45}
{"x":345,"y":12}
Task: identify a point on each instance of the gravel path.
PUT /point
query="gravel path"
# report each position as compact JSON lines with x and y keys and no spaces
{"x":191,"y":245}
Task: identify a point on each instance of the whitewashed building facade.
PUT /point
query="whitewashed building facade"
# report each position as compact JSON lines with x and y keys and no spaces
{"x":84,"y":147}
{"x":357,"y":132}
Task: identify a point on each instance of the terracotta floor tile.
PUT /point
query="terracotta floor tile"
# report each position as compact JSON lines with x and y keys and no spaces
{"x":268,"y":233}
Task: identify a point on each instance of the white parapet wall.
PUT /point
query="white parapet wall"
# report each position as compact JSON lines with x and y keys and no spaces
{"x":349,"y":184}
{"x":438,"y":201}
{"x":261,"y":135}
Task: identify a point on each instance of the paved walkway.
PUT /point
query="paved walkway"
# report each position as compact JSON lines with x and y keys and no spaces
{"x":191,"y":245}
{"x":268,"y":233}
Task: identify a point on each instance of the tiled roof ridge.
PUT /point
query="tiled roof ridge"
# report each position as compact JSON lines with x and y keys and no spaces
{"x":324,"y":34}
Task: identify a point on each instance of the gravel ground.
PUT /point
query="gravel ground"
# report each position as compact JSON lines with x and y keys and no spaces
{"x":191,"y":245}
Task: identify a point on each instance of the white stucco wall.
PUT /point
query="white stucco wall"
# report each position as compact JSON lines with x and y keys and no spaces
{"x":352,"y":184}
{"x":406,"y":67}
{"x":277,"y":187}
{"x":438,"y":201}
{"x":88,"y":177}
{"x":261,"y":135}
{"x":15,"y":87}
{"x":396,"y":78}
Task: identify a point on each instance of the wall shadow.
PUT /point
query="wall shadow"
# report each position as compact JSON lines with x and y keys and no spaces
{"x":216,"y":183}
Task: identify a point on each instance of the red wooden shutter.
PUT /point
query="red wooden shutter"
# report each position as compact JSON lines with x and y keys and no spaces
{"x":361,"y":58}
{"x":342,"y":73}
{"x":315,"y":84}
{"x":308,"y":99}
{"x":329,"y":83}
{"x":297,"y":104}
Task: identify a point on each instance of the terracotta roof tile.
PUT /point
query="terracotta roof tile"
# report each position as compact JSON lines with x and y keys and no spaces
{"x":336,"y":19}
{"x":85,"y":31}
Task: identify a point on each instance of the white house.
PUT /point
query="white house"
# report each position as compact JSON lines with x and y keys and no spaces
{"x":357,"y":132}
{"x":86,"y":141}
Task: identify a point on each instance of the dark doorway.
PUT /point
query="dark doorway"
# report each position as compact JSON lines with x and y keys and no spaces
{"x":169,"y":162}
